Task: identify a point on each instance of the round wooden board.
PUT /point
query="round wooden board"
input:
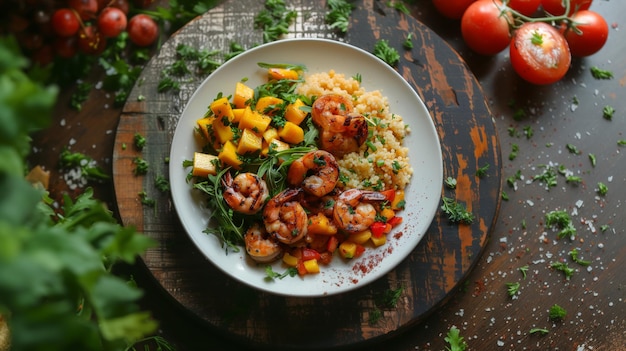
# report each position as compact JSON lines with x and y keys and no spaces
{"x":428,"y":276}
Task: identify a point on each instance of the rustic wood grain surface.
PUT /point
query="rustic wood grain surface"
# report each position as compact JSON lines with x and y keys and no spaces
{"x":428,"y":276}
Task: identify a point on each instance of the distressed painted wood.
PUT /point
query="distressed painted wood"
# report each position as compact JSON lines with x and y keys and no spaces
{"x":429,"y":275}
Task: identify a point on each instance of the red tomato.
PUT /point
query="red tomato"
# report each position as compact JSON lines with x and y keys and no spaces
{"x":390,"y":194}
{"x":360,"y":249}
{"x":556,"y":8}
{"x":539,"y":53}
{"x":394,"y":221}
{"x":594,"y":31}
{"x":484,"y":29}
{"x":525,"y":7}
{"x":310,"y":254}
{"x":64,"y":22}
{"x":90,"y":41}
{"x":453,"y":9}
{"x":142,"y":30}
{"x":378,"y":229}
{"x":332,"y":243}
{"x":86,"y":9}
{"x":111,"y":22}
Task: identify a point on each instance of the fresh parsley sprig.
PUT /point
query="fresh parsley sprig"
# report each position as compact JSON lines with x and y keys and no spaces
{"x":455,"y":211}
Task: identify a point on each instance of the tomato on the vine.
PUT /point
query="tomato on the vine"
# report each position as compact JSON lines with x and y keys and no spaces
{"x":453,"y":9}
{"x":525,"y":7}
{"x":64,"y":22}
{"x":142,"y":30}
{"x":539,"y":53}
{"x":111,"y":22}
{"x":90,"y":41}
{"x":65,"y":46}
{"x":485,"y":28}
{"x":594,"y":31}
{"x":556,"y":8}
{"x":86,"y":9}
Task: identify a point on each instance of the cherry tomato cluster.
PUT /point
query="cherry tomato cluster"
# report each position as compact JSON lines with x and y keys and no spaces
{"x":542,"y":35}
{"x":64,"y":28}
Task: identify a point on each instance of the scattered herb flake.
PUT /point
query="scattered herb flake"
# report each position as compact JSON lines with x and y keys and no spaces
{"x":524,"y":270}
{"x":141,"y":166}
{"x":140,"y":141}
{"x":541,"y":331}
{"x":408,"y":43}
{"x":455,"y":340}
{"x":593,"y":160}
{"x":573,"y":254}
{"x":602,"y":189}
{"x":513,"y":288}
{"x":563,"y":267}
{"x":599,"y":73}
{"x":386,"y":53}
{"x":482,"y":171}
{"x":450,"y":182}
{"x":557,"y":312}
{"x":456,"y":212}
{"x":608,"y":112}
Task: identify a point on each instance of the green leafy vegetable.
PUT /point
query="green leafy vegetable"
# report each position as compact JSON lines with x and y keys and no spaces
{"x":455,"y":340}
{"x":563,"y":267}
{"x":271,"y":274}
{"x":513,"y":288}
{"x":557,"y":312}
{"x":541,"y":331}
{"x":562,"y":221}
{"x":524,"y":270}
{"x":574,"y":255}
{"x":338,"y":16}
{"x":608,"y":112}
{"x":87,"y":165}
{"x":602,"y":189}
{"x":386,"y":53}
{"x":599,"y":73}
{"x":274,"y":20}
{"x":455,"y":211}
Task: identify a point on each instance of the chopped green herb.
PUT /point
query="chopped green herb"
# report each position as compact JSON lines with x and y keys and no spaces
{"x":548,"y":176}
{"x":450,"y":182}
{"x":143,"y":197}
{"x":608,"y":112}
{"x":140,"y":141}
{"x":339,"y":15}
{"x":599,"y":73}
{"x":514,"y":150}
{"x":574,"y":256}
{"x":87,"y":165}
{"x":562,"y":221}
{"x":573,"y":179}
{"x":541,"y":331}
{"x":621,"y":142}
{"x":455,"y":211}
{"x":524,"y":270}
{"x":274,"y":19}
{"x":386,"y":53}
{"x":511,"y":180}
{"x":162,"y":184}
{"x":513,"y":288}
{"x":482,"y":171}
{"x":528,"y":131}
{"x":141,"y":166}
{"x":602,"y":189}
{"x":504,"y":196}
{"x":80,"y":95}
{"x":592,"y":159}
{"x":563,"y":267}
{"x":572,"y":149}
{"x":455,"y":340}
{"x":557,"y":312}
{"x":408,"y":43}
{"x":270,"y":274}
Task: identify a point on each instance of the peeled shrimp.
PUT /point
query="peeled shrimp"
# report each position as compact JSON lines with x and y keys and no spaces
{"x":246,"y":193}
{"x":285,"y":218}
{"x":354,"y":211}
{"x":341,"y":129}
{"x":260,"y":246}
{"x":316,"y":172}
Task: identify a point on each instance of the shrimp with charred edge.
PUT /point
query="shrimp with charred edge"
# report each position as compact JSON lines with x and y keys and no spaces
{"x":261,"y":246}
{"x":355,"y":211}
{"x":316,"y":172}
{"x":246,"y":193}
{"x":341,"y":129}
{"x":285,"y":218}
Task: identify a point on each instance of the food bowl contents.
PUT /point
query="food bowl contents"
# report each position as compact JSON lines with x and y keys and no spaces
{"x":302,"y":168}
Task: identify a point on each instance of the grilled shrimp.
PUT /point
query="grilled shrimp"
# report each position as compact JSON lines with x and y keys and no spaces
{"x":260,"y":246}
{"x":316,"y":172}
{"x":354,"y":210}
{"x":285,"y":218}
{"x":341,"y":129}
{"x":246,"y":193}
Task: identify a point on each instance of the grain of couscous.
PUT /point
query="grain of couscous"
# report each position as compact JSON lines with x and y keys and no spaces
{"x":382,"y":162}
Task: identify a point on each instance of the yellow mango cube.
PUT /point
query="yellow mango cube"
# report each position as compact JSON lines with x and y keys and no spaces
{"x":255,"y":121}
{"x":204,"y":164}
{"x":270,"y":134}
{"x":319,"y":224}
{"x":290,"y":260}
{"x":388,"y":213}
{"x":347,"y":249}
{"x":381,"y":240}
{"x":229,"y":156}
{"x":237,"y":114}
{"x":398,"y":200}
{"x":294,"y":114}
{"x":222,"y":132}
{"x":360,"y":237}
{"x":243,"y":95}
{"x":222,"y":109}
{"x":268,"y":104}
{"x":311,"y":266}
{"x":205,"y":127}
{"x":249,"y":142}
{"x":276,"y":145}
{"x":291,"y":133}
{"x":282,"y":73}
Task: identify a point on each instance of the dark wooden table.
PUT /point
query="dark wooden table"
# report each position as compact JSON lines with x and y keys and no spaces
{"x":475,"y":298}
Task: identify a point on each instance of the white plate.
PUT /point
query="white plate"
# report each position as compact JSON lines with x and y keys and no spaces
{"x":422,"y":194}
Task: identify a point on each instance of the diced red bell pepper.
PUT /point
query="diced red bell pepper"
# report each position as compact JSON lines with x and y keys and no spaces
{"x":394,"y":221}
{"x":310,"y":254}
{"x":332,"y":243}
{"x":389,"y":194}
{"x":378,"y":229}
{"x":359,"y":250}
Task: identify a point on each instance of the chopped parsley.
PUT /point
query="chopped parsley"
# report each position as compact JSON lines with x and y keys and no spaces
{"x":608,"y":112}
{"x":574,"y":256}
{"x":513,"y":153}
{"x":561,"y":220}
{"x":450,"y":182}
{"x":513,"y":288}
{"x":524,"y":270}
{"x":408,"y":43}
{"x":270,"y":274}
{"x":140,"y":141}
{"x":338,"y":15}
{"x":482,"y":171}
{"x":541,"y":331}
{"x":557,"y":312}
{"x":455,"y":211}
{"x":455,"y":340}
{"x":563,"y":267}
{"x":141,"y":166}
{"x":602,"y":189}
{"x":383,"y":51}
{"x":599,"y":73}
{"x":274,"y":20}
